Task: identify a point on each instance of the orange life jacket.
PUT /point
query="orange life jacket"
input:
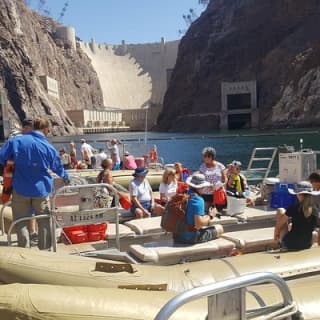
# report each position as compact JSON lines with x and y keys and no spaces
{"x":153,"y":156}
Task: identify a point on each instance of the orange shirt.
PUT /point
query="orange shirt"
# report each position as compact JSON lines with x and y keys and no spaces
{"x":153,"y":156}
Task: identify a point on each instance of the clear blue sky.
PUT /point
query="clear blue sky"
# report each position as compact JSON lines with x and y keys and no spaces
{"x":135,"y":21}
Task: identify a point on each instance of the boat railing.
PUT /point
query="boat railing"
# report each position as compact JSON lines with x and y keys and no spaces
{"x":58,"y":182}
{"x":87,"y":213}
{"x":227,"y":298}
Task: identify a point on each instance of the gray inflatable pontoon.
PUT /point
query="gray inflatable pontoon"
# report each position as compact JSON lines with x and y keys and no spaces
{"x":46,"y":302}
{"x":39,"y":267}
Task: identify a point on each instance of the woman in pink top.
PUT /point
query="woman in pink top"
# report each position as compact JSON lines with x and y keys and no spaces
{"x":129,"y":161}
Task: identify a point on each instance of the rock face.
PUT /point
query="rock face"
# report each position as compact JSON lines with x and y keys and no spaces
{"x":27,"y":52}
{"x":275,"y":42}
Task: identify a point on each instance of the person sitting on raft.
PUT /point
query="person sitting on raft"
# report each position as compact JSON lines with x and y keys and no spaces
{"x":294,"y":226}
{"x":129,"y":162}
{"x":314,"y":179}
{"x":143,"y":204}
{"x":195,"y":214}
{"x":236,"y":181}
{"x":237,"y":184}
{"x":179,"y":171}
{"x":168,"y":186}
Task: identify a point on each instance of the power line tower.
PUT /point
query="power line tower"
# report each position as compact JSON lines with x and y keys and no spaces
{"x":203,"y":2}
{"x":188,"y":19}
{"x":43,"y":8}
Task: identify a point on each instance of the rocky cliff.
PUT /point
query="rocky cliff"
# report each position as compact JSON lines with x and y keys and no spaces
{"x":29,"y":50}
{"x":275,"y":42}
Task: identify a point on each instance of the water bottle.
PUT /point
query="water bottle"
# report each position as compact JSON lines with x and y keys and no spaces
{"x":247,"y":192}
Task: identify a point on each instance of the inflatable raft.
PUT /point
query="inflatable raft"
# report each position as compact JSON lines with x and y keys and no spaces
{"x":32,"y":302}
{"x":39,"y":267}
{"x":122,"y":177}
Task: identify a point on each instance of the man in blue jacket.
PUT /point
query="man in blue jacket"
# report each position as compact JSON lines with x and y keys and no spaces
{"x":32,"y":183}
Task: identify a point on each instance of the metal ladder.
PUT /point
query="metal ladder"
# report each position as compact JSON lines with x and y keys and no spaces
{"x":257,"y":157}
{"x":228,"y":298}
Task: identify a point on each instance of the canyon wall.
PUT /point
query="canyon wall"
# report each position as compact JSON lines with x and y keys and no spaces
{"x":273,"y":42}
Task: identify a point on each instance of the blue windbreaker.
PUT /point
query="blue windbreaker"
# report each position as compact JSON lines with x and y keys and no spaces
{"x":33,"y":155}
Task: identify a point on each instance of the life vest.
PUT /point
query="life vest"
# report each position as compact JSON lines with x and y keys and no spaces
{"x":7,"y":181}
{"x":238,"y":184}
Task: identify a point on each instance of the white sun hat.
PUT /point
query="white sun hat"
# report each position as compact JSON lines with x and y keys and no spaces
{"x":197,"y":181}
{"x":303,"y":187}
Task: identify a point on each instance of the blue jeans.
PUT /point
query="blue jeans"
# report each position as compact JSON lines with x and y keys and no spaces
{"x":145,"y":204}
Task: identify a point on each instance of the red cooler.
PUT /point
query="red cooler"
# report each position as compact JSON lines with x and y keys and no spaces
{"x":140,"y":162}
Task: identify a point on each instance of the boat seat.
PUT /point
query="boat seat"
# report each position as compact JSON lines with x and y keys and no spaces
{"x":153,"y":225}
{"x":125,"y":215}
{"x":257,"y":214}
{"x":124,"y":231}
{"x":145,"y":226}
{"x":253,"y":240}
{"x":224,"y":220}
{"x":167,"y":252}
{"x":7,"y":216}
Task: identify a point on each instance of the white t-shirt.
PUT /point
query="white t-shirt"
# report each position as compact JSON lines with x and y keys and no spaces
{"x":86,"y":148}
{"x":115,"y":153}
{"x":169,"y":190}
{"x":99,"y":157}
{"x":141,"y":190}
{"x":213,"y":175}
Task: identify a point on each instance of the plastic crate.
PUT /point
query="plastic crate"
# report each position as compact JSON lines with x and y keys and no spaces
{"x":98,"y":227}
{"x":282,"y":200}
{"x":83,"y":228}
{"x":283,"y":187}
{"x":94,"y":236}
{"x":77,"y":236}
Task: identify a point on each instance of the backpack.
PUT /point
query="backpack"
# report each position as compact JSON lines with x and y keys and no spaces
{"x":173,"y":219}
{"x":7,"y":181}
{"x":185,"y":174}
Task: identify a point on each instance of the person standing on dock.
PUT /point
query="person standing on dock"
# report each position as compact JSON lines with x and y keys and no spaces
{"x":73,"y":155}
{"x":214,"y":172}
{"x":115,"y":156}
{"x":87,"y":154}
{"x":33,"y":157}
{"x":153,"y":156}
{"x":100,"y":156}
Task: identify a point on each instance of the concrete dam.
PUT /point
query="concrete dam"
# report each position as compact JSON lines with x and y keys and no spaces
{"x":133,"y":79}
